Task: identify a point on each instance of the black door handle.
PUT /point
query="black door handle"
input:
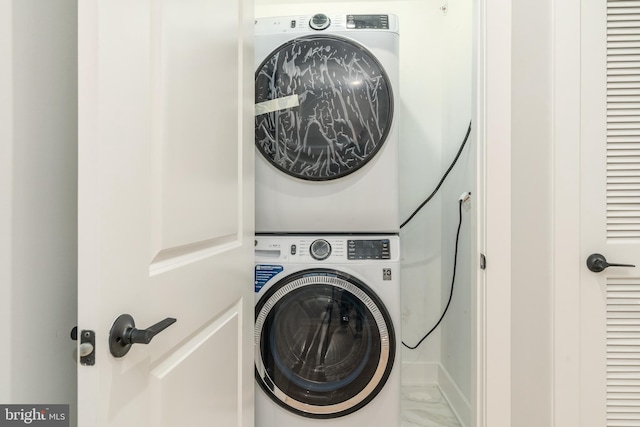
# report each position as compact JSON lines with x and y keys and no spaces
{"x":124,"y":334}
{"x":597,"y":263}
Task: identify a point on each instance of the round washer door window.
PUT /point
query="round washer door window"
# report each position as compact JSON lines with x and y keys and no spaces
{"x":324,"y":107}
{"x":324,"y":344}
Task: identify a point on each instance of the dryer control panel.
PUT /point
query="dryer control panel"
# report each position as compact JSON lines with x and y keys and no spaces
{"x":320,"y":22}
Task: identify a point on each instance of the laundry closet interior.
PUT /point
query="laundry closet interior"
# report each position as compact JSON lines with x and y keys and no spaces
{"x":433,"y":108}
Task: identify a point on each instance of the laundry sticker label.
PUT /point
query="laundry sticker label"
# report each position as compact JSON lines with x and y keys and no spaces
{"x":264,"y":273}
{"x":277,"y":104}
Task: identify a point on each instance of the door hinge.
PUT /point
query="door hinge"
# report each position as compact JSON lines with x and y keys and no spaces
{"x":483,"y":262}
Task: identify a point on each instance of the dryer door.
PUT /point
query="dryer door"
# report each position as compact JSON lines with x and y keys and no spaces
{"x":325,"y":344}
{"x":324,"y":107}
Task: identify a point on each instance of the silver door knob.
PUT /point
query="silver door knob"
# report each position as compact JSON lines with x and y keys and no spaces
{"x":85,"y":349}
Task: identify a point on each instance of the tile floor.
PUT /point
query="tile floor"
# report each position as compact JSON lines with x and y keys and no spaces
{"x":424,"y":406}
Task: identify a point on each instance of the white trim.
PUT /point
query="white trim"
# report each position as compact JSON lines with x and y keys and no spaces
{"x":419,"y":373}
{"x":494,"y":103}
{"x":88,"y":65}
{"x":432,"y":373}
{"x":478,"y":357}
{"x":457,"y":401}
{"x":6,"y":193}
{"x":566,"y":213}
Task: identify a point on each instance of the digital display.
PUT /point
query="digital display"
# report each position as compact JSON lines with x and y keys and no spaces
{"x":368,"y":249}
{"x":368,"y":22}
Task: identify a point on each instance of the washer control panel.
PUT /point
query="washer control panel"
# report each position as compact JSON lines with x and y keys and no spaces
{"x":327,"y":249}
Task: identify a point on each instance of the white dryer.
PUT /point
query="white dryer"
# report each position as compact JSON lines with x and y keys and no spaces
{"x":326,"y":123}
{"x":327,"y":338}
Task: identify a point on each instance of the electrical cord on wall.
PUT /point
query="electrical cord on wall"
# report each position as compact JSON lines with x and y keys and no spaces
{"x":462,"y":199}
{"x":433,"y":193}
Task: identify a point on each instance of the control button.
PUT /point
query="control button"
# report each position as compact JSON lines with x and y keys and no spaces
{"x":293,"y":249}
{"x":351,"y":22}
{"x":319,"y":21}
{"x":320,"y":249}
{"x":293,"y":23}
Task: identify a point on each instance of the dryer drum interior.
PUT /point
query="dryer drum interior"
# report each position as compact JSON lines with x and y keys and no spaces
{"x":325,"y":344}
{"x":324,"y":107}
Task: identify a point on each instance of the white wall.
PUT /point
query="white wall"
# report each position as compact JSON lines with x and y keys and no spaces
{"x":38,"y":200}
{"x":456,"y":358}
{"x":421,"y":93}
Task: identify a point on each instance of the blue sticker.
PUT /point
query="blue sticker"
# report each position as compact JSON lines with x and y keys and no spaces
{"x":264,"y":273}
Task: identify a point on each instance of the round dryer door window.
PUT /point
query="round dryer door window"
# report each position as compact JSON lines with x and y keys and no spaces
{"x":324,"y":107}
{"x":325,"y":344}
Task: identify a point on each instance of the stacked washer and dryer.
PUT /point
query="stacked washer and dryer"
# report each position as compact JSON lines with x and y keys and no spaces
{"x":327,"y":248}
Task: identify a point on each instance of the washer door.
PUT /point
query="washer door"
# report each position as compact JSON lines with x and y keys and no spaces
{"x":324,"y":343}
{"x":324,"y":107}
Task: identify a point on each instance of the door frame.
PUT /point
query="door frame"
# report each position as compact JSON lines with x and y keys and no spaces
{"x":566,"y":208}
{"x":492,"y":119}
{"x":6,"y":187}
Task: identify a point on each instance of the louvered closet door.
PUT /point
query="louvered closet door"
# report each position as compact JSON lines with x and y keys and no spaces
{"x":610,"y":219}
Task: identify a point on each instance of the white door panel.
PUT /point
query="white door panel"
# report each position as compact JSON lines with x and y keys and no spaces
{"x":166,"y":209}
{"x":610,"y":214}
{"x":183,"y":370}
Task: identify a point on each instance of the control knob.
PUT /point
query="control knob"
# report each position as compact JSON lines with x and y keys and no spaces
{"x":320,"y":249}
{"x":320,"y":21}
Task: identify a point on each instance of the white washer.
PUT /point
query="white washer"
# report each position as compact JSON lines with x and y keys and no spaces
{"x":326,"y":124}
{"x":327,"y":331}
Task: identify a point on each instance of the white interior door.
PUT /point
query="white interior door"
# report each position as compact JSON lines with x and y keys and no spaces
{"x":610,"y":213}
{"x":166,"y":210}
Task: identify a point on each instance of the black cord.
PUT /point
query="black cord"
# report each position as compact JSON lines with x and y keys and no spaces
{"x":441,"y":180}
{"x":453,"y":280}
